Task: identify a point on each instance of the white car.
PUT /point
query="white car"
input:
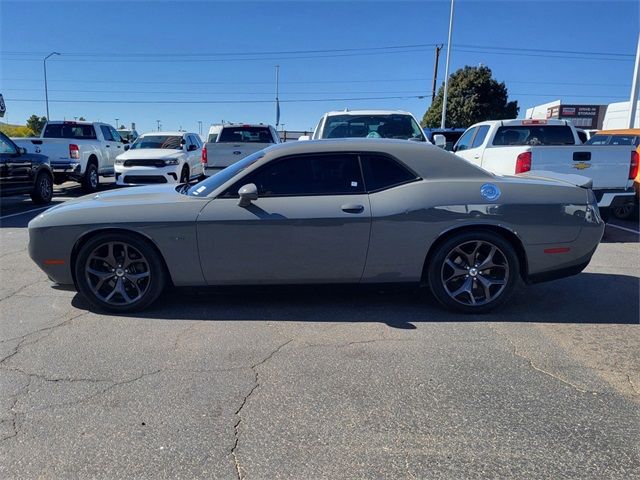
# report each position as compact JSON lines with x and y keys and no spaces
{"x":160,"y":157}
{"x":368,"y":124}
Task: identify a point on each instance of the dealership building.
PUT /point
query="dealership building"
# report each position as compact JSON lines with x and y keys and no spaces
{"x":588,"y":117}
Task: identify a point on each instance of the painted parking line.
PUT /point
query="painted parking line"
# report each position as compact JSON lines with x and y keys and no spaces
{"x":623,"y":228}
{"x":24,"y":213}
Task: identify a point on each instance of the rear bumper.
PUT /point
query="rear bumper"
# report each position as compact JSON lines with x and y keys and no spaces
{"x":614,"y":198}
{"x":67,"y":167}
{"x":550,"y":262}
{"x":212,"y":170}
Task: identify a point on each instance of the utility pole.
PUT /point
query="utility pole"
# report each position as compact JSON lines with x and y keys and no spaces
{"x":633,"y":101}
{"x":46,"y":90}
{"x":117,"y":127}
{"x":277,"y":92}
{"x":158,"y":121}
{"x":435,"y":73}
{"x":200,"y":127}
{"x":446,"y":70}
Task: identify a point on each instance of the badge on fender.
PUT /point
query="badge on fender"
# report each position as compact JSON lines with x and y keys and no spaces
{"x":490,"y":191}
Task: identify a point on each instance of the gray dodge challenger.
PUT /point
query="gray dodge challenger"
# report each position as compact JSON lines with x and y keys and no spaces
{"x":330,"y":211}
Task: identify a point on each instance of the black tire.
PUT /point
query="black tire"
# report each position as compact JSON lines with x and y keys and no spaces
{"x":42,"y":192}
{"x":624,"y":212}
{"x":184,"y":174}
{"x":135,"y":270}
{"x":479,"y":290}
{"x":91,"y":179}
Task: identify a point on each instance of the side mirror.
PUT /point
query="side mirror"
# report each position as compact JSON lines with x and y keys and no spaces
{"x":248,"y":193}
{"x":191,"y":148}
{"x":440,"y":141}
{"x":304,"y":137}
{"x":127,"y":147}
{"x":22,"y":150}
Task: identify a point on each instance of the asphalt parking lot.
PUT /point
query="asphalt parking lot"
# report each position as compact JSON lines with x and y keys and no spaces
{"x":324,"y":382}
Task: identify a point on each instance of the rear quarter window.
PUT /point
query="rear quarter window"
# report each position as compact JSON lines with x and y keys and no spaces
{"x":382,"y":172}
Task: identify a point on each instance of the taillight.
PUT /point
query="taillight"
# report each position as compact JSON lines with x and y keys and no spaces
{"x":203,"y":158}
{"x":74,"y":151}
{"x":523,"y":162}
{"x":633,"y":166}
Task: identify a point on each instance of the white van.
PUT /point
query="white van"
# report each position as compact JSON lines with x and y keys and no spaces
{"x":617,"y":116}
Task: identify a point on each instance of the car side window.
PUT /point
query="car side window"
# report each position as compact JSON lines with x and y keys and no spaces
{"x":115,"y":135}
{"x":7,"y":147}
{"x":301,"y":175}
{"x":106,"y":133}
{"x":465,"y":140}
{"x":480,"y":136}
{"x":382,"y":172}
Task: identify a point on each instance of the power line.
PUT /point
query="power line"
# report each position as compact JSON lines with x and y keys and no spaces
{"x":301,"y":100}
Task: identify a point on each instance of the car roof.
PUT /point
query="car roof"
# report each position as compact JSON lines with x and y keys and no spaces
{"x":619,"y":131}
{"x":426,"y":160}
{"x":517,"y":122}
{"x":367,"y":112}
{"x":174,"y":133}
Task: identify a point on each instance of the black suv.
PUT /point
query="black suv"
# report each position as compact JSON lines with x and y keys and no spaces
{"x":22,"y":172}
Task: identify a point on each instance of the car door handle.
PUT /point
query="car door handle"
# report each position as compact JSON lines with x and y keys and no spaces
{"x":352,"y":208}
{"x":108,"y":146}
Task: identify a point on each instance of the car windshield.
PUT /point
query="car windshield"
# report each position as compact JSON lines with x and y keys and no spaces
{"x":168,"y":142}
{"x":205,"y":187}
{"x":398,"y":126}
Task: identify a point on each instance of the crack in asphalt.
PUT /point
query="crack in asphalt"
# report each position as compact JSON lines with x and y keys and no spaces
{"x":359,"y":342}
{"x":23,"y":338}
{"x":14,"y":413}
{"x":24,"y":287}
{"x":530,"y":362}
{"x":236,"y":427}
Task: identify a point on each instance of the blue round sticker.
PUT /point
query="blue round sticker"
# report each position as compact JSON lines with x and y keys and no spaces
{"x":490,"y":191}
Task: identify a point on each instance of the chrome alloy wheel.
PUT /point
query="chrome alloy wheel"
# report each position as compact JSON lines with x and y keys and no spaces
{"x":475,"y":273}
{"x":117,"y":273}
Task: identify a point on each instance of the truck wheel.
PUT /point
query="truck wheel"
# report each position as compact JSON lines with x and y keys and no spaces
{"x":624,"y":212}
{"x":90,"y":180}
{"x":42,"y":189}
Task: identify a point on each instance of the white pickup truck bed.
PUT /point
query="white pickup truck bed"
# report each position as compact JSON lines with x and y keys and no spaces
{"x":509,"y":147}
{"x":234,"y":142}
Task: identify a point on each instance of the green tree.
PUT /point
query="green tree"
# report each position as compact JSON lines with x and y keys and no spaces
{"x":82,"y":119}
{"x":473,"y":96}
{"x":36,"y":123}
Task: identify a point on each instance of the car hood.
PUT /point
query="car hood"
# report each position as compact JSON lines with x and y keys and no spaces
{"x":142,"y":204}
{"x":150,"y":153}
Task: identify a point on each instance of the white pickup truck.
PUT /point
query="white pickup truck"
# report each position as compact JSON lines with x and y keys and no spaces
{"x":233,"y":142}
{"x":508,"y":147}
{"x":80,"y":151}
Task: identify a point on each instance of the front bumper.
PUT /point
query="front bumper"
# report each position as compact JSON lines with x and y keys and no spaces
{"x":141,"y":175}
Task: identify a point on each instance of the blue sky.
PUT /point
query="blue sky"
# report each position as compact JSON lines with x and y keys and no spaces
{"x":195,"y":52}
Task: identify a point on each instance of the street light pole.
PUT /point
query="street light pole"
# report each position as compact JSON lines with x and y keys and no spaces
{"x":46,"y":90}
{"x":277,"y":92}
{"x":635,"y":86}
{"x":446,"y":70}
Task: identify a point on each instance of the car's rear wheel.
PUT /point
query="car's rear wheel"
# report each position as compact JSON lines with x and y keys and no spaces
{"x":119,"y":272}
{"x":624,"y":212}
{"x":473,"y":272}
{"x":42,"y":192}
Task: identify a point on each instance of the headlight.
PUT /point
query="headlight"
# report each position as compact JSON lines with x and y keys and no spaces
{"x":173,"y":161}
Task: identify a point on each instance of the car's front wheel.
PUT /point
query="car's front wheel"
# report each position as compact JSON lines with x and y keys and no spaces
{"x":42,"y":192}
{"x":473,"y":272}
{"x":119,"y":272}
